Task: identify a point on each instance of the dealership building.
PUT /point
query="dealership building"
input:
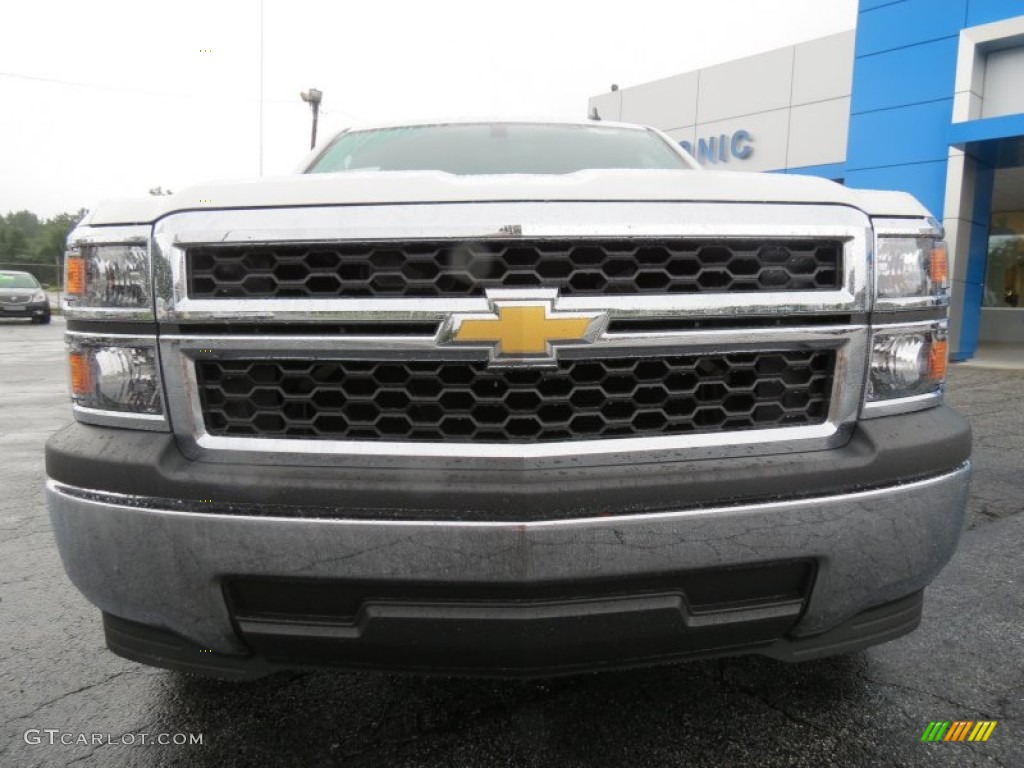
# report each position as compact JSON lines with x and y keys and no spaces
{"x":925,"y":96}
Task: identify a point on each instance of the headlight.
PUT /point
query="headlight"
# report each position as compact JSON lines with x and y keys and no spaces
{"x":107,"y":273}
{"x":108,"y":276}
{"x":37,"y":297}
{"x":907,"y":362}
{"x":911,"y":267}
{"x":115,"y":377}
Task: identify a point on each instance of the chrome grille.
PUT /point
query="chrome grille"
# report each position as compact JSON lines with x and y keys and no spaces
{"x":282,"y":314}
{"x":468,"y":402}
{"x":445,"y":268}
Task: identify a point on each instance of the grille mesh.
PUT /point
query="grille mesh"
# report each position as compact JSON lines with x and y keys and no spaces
{"x":468,"y":402}
{"x":576,"y":268}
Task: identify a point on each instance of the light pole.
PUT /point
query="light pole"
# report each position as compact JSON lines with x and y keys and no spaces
{"x":313,"y":97}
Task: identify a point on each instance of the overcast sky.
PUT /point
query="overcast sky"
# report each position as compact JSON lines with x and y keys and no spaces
{"x":107,"y":99}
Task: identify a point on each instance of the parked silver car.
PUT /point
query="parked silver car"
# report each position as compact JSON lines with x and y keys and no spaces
{"x":21,"y":295}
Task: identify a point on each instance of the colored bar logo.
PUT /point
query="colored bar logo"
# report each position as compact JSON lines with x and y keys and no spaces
{"x":958,"y":730}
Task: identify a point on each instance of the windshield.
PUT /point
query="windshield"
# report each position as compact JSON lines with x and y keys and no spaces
{"x":17,"y":280}
{"x":497,"y":148}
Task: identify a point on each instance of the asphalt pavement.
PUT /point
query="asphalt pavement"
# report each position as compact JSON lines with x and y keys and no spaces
{"x":59,"y":684}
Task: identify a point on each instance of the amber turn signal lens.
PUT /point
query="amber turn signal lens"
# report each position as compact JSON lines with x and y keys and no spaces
{"x":937,"y":360}
{"x":938,"y":266}
{"x":75,"y":276}
{"x":81,"y":375}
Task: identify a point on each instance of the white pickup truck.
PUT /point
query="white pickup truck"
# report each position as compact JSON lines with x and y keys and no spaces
{"x":508,"y":398}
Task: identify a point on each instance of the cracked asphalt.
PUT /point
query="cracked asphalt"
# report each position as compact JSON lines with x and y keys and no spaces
{"x":966,"y":661}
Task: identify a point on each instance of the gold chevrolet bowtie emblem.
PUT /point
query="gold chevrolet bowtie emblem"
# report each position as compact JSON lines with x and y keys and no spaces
{"x":526,"y":332}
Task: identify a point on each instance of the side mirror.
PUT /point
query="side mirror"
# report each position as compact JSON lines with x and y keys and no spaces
{"x":45,"y":286}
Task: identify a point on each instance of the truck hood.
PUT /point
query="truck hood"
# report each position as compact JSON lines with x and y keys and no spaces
{"x":400,"y":187}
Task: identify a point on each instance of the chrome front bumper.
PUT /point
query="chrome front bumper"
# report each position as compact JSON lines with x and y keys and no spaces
{"x":165,"y":568}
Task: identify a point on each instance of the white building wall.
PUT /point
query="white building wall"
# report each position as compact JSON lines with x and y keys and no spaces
{"x":793,"y":102}
{"x":818,"y":132}
{"x":671,"y":102}
{"x":1004,"y":82}
{"x":608,"y":105}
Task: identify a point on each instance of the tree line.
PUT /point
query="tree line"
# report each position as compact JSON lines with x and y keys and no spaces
{"x":31,"y":244}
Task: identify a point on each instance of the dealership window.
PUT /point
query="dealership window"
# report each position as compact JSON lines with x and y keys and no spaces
{"x":1004,"y":279}
{"x":1004,"y":272}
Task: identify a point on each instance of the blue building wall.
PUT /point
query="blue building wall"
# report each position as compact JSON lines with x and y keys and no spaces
{"x":901,"y":115}
{"x":902,"y":101}
{"x":833,"y":171}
